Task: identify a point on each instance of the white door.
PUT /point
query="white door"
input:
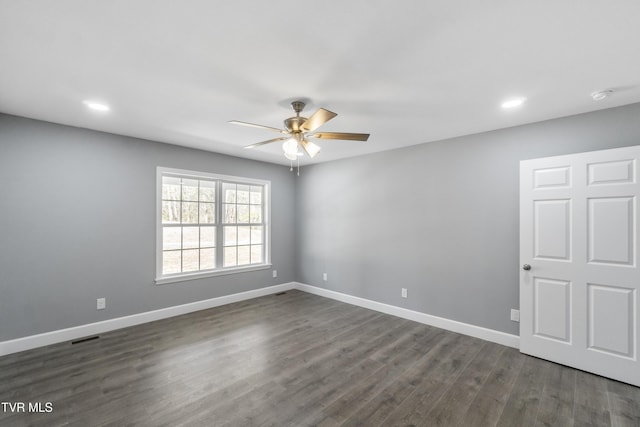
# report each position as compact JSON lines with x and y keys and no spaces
{"x":579,"y":272}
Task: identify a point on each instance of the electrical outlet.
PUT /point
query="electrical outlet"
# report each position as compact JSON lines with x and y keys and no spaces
{"x":275,"y":273}
{"x":404,"y":292}
{"x":325,"y":277}
{"x":515,"y":315}
{"x":101,"y":303}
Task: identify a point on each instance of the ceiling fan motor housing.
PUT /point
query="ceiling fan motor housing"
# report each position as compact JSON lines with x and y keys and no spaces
{"x":293,"y":124}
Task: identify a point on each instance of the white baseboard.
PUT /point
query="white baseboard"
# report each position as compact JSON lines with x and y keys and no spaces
{"x":62,"y":335}
{"x":439,"y":322}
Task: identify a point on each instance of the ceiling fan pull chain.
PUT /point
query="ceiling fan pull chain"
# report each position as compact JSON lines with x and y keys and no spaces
{"x":291,"y":168}
{"x":298,"y":160}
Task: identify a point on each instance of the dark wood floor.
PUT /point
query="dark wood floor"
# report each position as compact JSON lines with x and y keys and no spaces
{"x":303,"y":360}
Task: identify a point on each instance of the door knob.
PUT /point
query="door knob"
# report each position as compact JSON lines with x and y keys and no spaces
{"x":526,"y":267}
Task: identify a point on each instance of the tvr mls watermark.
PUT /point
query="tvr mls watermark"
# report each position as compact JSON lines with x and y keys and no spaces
{"x":27,"y":407}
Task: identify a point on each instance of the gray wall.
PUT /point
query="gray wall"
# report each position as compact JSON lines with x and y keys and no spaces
{"x":440,"y":219}
{"x":77,"y":222}
{"x":77,"y":212}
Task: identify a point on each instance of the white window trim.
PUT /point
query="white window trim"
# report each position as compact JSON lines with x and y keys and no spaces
{"x":220,"y":271}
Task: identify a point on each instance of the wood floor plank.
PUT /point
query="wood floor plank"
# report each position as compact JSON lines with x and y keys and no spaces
{"x":556,"y":405}
{"x":333,"y":368}
{"x":302,"y":360}
{"x":624,"y":403}
{"x":391,"y":395}
{"x":450,"y":409}
{"x":487,"y":406}
{"x":432,"y":378}
{"x":625,"y":411}
{"x":591,"y":405}
{"x":395,"y":363}
{"x":524,"y":400}
{"x":371,"y":396}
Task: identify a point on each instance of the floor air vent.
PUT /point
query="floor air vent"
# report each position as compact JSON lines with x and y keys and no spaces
{"x":81,"y":340}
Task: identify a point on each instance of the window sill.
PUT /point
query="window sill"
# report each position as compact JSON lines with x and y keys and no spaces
{"x":194,"y":276}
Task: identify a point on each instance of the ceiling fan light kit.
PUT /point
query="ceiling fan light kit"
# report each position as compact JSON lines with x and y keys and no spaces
{"x":299,"y":128}
{"x":290,"y":148}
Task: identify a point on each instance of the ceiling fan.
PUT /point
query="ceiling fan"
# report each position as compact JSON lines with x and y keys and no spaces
{"x":299,"y":128}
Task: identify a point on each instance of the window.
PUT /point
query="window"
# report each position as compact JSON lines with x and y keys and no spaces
{"x":210,"y":224}
{"x":243,"y":227}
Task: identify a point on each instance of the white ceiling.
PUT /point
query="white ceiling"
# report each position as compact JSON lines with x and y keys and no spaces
{"x":408,"y":72}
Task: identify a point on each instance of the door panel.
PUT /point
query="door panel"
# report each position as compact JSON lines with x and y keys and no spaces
{"x":553,"y":177}
{"x":552,"y":309}
{"x":618,"y":172}
{"x":579,"y":233}
{"x":611,"y":320}
{"x":610,"y":230}
{"x":552,"y":229}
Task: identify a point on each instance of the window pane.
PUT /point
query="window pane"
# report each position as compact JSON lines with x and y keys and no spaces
{"x":243,"y":194}
{"x":243,"y":214}
{"x":190,"y":189}
{"x":256,"y":234}
{"x":190,"y":260}
{"x":256,"y":195}
{"x":244,"y":235}
{"x":171,"y":238}
{"x":171,"y":262}
{"x":190,"y":237}
{"x":244,"y":255}
{"x":207,"y":237}
{"x":256,"y":254}
{"x":189,"y":212}
{"x":170,"y":188}
{"x":207,"y":259}
{"x":207,"y":213}
{"x":229,"y":214}
{"x":230,"y":237}
{"x":230,"y":256}
{"x":255,"y":214}
{"x":207,"y":191}
{"x":228,"y":192}
{"x":170,"y":212}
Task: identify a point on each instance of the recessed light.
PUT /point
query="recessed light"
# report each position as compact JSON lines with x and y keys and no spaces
{"x":601,"y":94}
{"x":96,"y":106}
{"x":512,"y":103}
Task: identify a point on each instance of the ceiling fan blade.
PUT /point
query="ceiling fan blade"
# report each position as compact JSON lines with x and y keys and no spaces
{"x":253,"y":125}
{"x":269,"y":141}
{"x":341,"y":135}
{"x":310,"y":148}
{"x":317,"y":119}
